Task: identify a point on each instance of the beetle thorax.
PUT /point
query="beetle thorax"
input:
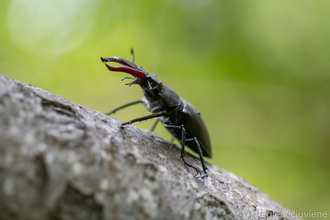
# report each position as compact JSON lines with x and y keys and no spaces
{"x":165,"y":99}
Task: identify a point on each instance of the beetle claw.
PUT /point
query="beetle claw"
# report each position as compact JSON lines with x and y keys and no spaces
{"x":201,"y":175}
{"x":204,"y":176}
{"x":198,"y":171}
{"x":122,"y":126}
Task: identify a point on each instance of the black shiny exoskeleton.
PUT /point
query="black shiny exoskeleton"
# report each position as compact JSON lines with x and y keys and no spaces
{"x":178,"y":116}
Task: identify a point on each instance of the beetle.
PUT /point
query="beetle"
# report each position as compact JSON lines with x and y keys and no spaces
{"x":179,"y":117}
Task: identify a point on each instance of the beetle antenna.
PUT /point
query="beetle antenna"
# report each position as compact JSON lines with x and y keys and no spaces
{"x":131,"y":83}
{"x":133,"y":57}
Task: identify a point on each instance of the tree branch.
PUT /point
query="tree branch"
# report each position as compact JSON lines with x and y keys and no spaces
{"x":60,"y":160}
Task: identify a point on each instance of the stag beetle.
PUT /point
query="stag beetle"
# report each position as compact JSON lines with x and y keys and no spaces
{"x":178,"y":116}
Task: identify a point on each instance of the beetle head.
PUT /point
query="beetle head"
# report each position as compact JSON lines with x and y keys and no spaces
{"x":143,"y":78}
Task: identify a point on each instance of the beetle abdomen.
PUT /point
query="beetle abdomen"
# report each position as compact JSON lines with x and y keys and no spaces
{"x":196,"y":127}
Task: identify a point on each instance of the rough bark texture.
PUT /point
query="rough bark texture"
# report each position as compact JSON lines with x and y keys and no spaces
{"x":60,"y":160}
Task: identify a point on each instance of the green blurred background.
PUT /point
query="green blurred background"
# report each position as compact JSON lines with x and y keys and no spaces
{"x":257,"y":70}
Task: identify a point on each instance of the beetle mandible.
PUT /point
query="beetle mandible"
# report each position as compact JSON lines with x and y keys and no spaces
{"x":178,"y":116}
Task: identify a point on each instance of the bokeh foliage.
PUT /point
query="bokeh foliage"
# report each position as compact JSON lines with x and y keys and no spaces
{"x":257,"y":70}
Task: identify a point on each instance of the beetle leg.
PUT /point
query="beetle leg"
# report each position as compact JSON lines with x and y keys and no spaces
{"x":183,"y":143}
{"x":201,"y":157}
{"x":145,"y":104}
{"x":154,"y":125}
{"x":185,"y":162}
{"x":123,"y":106}
{"x":182,"y":150}
{"x":143,"y":101}
{"x":144,"y":118}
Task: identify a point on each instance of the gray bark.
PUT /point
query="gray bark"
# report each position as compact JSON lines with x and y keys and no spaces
{"x":60,"y":160}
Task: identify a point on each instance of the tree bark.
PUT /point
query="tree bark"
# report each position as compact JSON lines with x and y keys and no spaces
{"x":60,"y":160}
